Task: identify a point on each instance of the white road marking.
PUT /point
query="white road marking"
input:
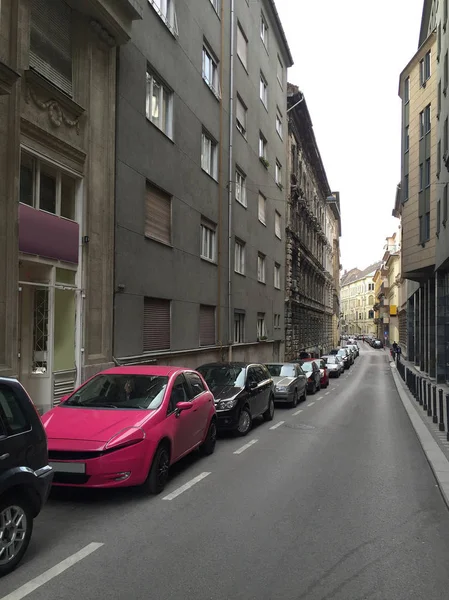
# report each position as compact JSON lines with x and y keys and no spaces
{"x":277,"y":425}
{"x":297,"y":412}
{"x":186,"y":486}
{"x":332,"y":389}
{"x":245,"y":447}
{"x":327,"y":393}
{"x":47,"y":576}
{"x":320,"y":398}
{"x":311,"y":404}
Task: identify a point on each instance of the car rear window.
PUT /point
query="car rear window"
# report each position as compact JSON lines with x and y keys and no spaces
{"x":12,"y":414}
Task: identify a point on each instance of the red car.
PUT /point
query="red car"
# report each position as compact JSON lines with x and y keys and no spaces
{"x":324,"y":372}
{"x":127,"y":425}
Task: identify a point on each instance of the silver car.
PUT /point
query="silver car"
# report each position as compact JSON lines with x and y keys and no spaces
{"x":354,"y":348}
{"x":334,"y":365}
{"x":290,"y":382}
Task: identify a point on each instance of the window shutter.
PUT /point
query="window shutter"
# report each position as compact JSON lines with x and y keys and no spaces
{"x":158,"y":215}
{"x":241,"y":113}
{"x":51,"y":42}
{"x":207,"y":325}
{"x":156,"y":324}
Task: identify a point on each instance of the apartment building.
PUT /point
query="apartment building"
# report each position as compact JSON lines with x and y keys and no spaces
{"x":200,"y":184}
{"x":57,"y":161}
{"x":424,"y":150}
{"x":313,"y":232}
{"x":358,"y":300}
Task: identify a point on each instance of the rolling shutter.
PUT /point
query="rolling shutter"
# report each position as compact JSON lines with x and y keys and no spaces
{"x":207,"y":325}
{"x":156,"y":324}
{"x":51,"y":42}
{"x":158,"y":215}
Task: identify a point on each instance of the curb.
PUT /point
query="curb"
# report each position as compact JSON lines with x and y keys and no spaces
{"x":435,"y":456}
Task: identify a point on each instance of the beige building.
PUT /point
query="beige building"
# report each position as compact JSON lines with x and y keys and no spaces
{"x":357,"y":301}
{"x":422,"y":154}
{"x":57,"y":165}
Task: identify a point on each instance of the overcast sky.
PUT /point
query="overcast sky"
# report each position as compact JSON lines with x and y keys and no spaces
{"x":348,"y":56}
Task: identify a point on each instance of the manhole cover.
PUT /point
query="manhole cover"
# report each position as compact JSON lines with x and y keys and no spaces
{"x":300,"y":426}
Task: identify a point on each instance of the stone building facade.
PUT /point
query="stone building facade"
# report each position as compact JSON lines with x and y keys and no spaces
{"x":57,"y":164}
{"x":313,"y":229}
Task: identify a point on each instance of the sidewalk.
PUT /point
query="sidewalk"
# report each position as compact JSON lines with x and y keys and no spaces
{"x":433,"y":441}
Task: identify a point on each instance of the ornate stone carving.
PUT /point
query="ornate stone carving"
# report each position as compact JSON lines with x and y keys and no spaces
{"x":56,"y":114}
{"x":103,"y":34}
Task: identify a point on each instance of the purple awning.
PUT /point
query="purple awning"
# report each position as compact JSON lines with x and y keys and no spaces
{"x":47,"y":235}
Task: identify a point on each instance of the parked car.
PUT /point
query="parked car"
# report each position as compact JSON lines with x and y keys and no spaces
{"x":321,"y":364}
{"x":334,"y":365}
{"x":290,"y":382}
{"x":312,"y":371}
{"x":346,"y":356}
{"x":126,"y":426}
{"x":242,"y":392}
{"x":25,"y":475}
{"x":377,"y":343}
{"x":354,"y":349}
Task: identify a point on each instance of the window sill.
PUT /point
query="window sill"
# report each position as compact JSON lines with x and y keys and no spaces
{"x":161,"y":131}
{"x":238,"y":273}
{"x":215,"y":93}
{"x":171,"y":28}
{"x":279,"y":237}
{"x":243,"y":64}
{"x":209,"y":175}
{"x":208,"y":260}
{"x":262,"y":282}
{"x":153,"y":239}
{"x":33,"y":79}
{"x":242,"y":132}
{"x":245,"y":206}
{"x":262,"y":222}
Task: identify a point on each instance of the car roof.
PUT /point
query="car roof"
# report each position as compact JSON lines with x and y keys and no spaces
{"x":155,"y":370}
{"x":244,"y":365}
{"x":287,"y":362}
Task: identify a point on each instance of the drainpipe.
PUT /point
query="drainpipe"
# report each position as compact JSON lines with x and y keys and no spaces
{"x":231,"y":178}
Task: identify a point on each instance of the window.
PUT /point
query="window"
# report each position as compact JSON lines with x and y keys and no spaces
{"x":240,"y":117}
{"x":239,"y":257}
{"x":445,"y":139}
{"x":215,"y":4}
{"x":427,"y":173}
{"x":195,"y":382}
{"x":45,"y":187}
{"x":261,"y":331}
{"x":240,"y":186}
{"x":424,"y":67}
{"x":277,"y":276}
{"x":445,"y":206}
{"x":279,"y":123}
{"x":424,"y":228}
{"x":406,"y":139}
{"x":406,"y":186}
{"x":159,"y":104}
{"x":179,"y":393}
{"x":166,"y":11}
{"x":280,"y":72}
{"x":421,"y":177}
{"x":277,"y":225}
{"x":427,"y":121}
{"x":407,"y":90}
{"x":242,"y":46}
{"x":262,"y":208}
{"x":157,"y":214}
{"x":438,"y":158}
{"x":11,"y":414}
{"x":239,"y":327}
{"x":264,"y":30}
{"x":261,"y":263}
{"x":207,"y":325}
{"x":277,"y":321}
{"x":209,"y":153}
{"x":263,"y":90}
{"x":156,"y":324}
{"x":210,"y":70}
{"x":438,"y":218}
{"x":278,"y":173}
{"x":208,"y":241}
{"x":439,"y":100}
{"x":51,"y":42}
{"x":421,"y":124}
{"x":262,"y":146}
{"x":445,"y":72}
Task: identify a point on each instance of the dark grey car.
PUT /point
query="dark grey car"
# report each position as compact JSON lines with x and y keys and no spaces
{"x":290,"y":382}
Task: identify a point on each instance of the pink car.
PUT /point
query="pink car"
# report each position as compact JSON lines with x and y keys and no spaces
{"x":127,"y":425}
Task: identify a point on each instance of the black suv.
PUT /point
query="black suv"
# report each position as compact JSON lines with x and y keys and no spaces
{"x":25,"y":475}
{"x":242,"y":392}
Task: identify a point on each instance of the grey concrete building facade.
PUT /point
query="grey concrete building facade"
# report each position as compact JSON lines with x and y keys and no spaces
{"x":57,"y":162}
{"x":200,"y":184}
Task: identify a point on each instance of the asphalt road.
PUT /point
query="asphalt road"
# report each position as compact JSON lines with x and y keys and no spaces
{"x":337,"y":502}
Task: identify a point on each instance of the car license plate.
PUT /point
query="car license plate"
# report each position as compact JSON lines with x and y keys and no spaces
{"x":66,"y":467}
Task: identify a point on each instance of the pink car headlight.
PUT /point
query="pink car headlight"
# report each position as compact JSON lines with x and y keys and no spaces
{"x":126,"y":437}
